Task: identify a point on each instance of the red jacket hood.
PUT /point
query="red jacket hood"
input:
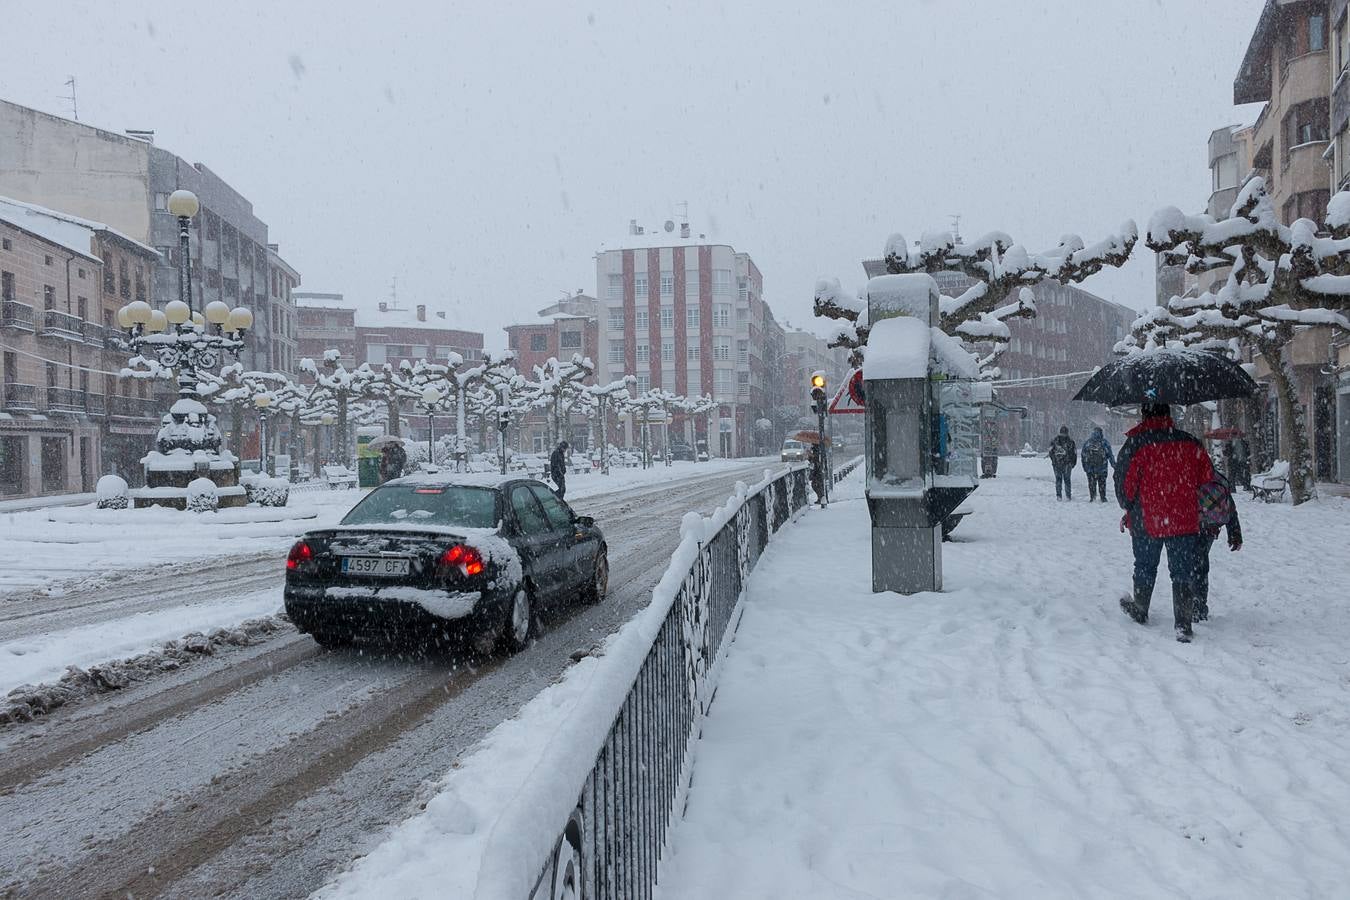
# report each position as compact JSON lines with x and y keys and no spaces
{"x":1157,"y":423}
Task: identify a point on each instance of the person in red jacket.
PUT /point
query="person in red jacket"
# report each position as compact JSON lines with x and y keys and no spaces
{"x":1158,"y":476}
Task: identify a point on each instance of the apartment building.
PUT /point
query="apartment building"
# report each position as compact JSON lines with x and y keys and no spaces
{"x":279,"y":309}
{"x":564,"y":328}
{"x":324,"y":322}
{"x":125,"y":181}
{"x":687,"y":315}
{"x":66,"y":417}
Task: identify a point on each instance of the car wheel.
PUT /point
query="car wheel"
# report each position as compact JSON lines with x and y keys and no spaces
{"x":598,"y":589}
{"x":332,"y":640}
{"x":519,"y":622}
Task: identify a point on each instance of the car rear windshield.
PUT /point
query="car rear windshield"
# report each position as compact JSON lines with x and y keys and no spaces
{"x":407,"y":504}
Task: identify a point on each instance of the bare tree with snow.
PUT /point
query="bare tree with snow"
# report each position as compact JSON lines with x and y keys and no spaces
{"x":1281,"y":280}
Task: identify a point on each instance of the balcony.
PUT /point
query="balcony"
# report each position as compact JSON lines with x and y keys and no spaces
{"x":64,"y":400}
{"x":133,"y":407}
{"x":20,"y":397}
{"x":95,"y":404}
{"x":62,"y":325}
{"x":14,"y":314}
{"x":93,"y":334}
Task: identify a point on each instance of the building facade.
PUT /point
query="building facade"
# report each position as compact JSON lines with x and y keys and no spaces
{"x":565,"y":328}
{"x":126,"y":182}
{"x":282,"y":281}
{"x":324,"y":322}
{"x":66,"y":415}
{"x":689,"y":316}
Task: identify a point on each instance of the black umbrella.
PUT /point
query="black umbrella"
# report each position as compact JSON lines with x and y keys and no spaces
{"x":1165,"y":375}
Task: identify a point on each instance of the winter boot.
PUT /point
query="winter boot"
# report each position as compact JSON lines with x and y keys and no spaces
{"x":1184,"y":632}
{"x":1136,"y":607}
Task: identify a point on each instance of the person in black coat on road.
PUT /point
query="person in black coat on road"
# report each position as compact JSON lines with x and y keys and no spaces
{"x":557,"y":467}
{"x":1063,"y":457}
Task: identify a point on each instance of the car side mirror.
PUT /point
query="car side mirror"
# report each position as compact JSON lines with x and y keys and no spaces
{"x":588,"y":521}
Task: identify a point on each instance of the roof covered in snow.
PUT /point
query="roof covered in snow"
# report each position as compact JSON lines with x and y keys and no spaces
{"x":65,"y":230}
{"x":406,"y":317}
{"x":465,"y":479}
{"x":898,"y":347}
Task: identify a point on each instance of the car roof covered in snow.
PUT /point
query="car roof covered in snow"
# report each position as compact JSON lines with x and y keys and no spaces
{"x":463,"y":479}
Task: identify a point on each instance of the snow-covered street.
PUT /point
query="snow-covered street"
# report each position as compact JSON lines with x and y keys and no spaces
{"x":258,"y":770}
{"x":1016,"y":735}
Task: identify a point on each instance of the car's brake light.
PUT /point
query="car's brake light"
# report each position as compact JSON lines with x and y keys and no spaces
{"x":300,"y":553}
{"x":468,"y":559}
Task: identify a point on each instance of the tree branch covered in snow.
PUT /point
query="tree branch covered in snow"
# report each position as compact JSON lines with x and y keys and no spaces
{"x":1003,"y":272}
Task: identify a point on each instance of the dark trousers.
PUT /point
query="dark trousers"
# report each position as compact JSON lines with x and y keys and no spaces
{"x":1184,"y":554}
{"x":1202,"y":572}
{"x":1096,"y":485}
{"x":1063,"y":486}
{"x":561,"y":488}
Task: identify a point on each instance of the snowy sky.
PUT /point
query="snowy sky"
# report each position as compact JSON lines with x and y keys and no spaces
{"x":481,"y":153}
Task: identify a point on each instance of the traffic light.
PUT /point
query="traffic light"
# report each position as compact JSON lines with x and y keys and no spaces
{"x":818,"y":392}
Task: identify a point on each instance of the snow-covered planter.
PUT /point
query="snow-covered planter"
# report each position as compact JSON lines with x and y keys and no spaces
{"x":265,"y":490}
{"x":111,"y":492}
{"x":202,"y":495}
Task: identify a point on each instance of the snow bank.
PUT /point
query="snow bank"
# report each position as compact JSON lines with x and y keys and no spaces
{"x":498,"y":814}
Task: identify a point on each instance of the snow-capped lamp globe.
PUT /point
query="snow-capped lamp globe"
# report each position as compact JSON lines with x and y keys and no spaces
{"x":183,"y":204}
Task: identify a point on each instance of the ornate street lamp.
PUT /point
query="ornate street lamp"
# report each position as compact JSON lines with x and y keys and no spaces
{"x":262,"y":402}
{"x":431,"y":399}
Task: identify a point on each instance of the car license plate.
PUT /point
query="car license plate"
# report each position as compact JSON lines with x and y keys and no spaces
{"x":381,"y":566}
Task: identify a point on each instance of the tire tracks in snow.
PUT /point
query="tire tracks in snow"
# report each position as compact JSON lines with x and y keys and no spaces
{"x":254,"y":828}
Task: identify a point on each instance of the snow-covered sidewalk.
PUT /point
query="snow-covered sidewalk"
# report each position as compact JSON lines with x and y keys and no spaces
{"x":1016,"y":735}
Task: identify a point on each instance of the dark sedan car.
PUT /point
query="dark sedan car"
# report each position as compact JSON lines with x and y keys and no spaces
{"x":436,"y":556}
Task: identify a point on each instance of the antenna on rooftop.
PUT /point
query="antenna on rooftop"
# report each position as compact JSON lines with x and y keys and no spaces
{"x":74,"y":107}
{"x":956,"y":228}
{"x":393,"y":293}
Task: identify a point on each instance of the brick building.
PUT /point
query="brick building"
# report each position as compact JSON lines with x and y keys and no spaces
{"x":565,"y":328}
{"x":686,"y":315}
{"x":65,"y":416}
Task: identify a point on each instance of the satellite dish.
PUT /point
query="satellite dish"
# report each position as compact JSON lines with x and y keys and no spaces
{"x":670,"y":226}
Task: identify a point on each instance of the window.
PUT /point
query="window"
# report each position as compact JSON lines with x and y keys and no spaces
{"x":538,"y":342}
{"x":642,"y":320}
{"x":1225,"y":172}
{"x":721,"y":282}
{"x":529,"y":517}
{"x":722,"y":315}
{"x":1306,"y":123}
{"x":667,"y":351}
{"x":444,"y":352}
{"x":82,"y":307}
{"x":1307,"y":205}
{"x":667,"y":317}
{"x":691,"y":284}
{"x":558,"y":515}
{"x":694,"y":352}
{"x":13,"y":458}
{"x":640,"y":285}
{"x":6,"y":285}
{"x":742,"y":314}
{"x":667,"y":284}
{"x":48,"y":260}
{"x":616,"y":352}
{"x":5,"y":244}
{"x":616,"y":320}
{"x":743,"y":288}
{"x":48,"y":297}
{"x":375,"y":353}
{"x":161,"y":202}
{"x":644,"y":383}
{"x":51,"y":375}
{"x":1016,"y":345}
{"x":722,"y":382}
{"x":53,"y":464}
{"x":691,"y":318}
{"x":1342,"y":44}
{"x":570,"y":340}
{"x":1317,"y":32}
{"x":742,"y":352}
{"x":614,"y":287}
{"x":644,"y":352}
{"x":722,"y":349}
{"x":79,"y":273}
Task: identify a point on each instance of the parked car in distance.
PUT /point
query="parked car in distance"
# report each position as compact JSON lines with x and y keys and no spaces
{"x":436,"y":557}
{"x":794,"y":451}
{"x":681,"y":451}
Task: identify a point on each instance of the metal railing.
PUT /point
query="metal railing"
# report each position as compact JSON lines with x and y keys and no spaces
{"x":20,"y":396}
{"x":62,"y":325}
{"x":64,"y":400}
{"x":93,"y":334}
{"x":14,"y":314}
{"x":133,"y":407}
{"x":611,"y":844}
{"x":95,"y":404}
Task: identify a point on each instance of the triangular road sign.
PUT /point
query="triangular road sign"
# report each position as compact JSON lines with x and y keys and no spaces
{"x":849,"y":399}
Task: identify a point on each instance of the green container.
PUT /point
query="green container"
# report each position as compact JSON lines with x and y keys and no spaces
{"x":368,"y":472}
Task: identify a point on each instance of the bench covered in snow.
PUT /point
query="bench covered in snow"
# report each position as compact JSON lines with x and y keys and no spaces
{"x":1270,"y":486}
{"x":339,"y":477}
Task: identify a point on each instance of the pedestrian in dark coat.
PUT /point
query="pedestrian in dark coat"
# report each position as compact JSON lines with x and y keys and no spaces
{"x":1063,"y":457}
{"x":1096,"y":456}
{"x":1158,"y":477}
{"x":1209,"y":533}
{"x":393,"y":458}
{"x":817,"y":460}
{"x":557,"y":467}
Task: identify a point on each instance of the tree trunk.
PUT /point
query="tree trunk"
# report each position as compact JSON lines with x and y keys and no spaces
{"x":342,"y":430}
{"x":393,"y":414}
{"x":236,"y":431}
{"x":1293,"y":431}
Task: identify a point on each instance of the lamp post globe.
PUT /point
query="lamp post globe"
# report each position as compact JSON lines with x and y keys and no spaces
{"x":157,"y":321}
{"x":198,"y":321}
{"x":431,"y":396}
{"x":217,"y":313}
{"x":183,"y":204}
{"x":139,"y":312}
{"x":240,"y":319}
{"x":262,"y":401}
{"x":177,"y":312}
{"x":327,"y":419}
{"x":124,"y":319}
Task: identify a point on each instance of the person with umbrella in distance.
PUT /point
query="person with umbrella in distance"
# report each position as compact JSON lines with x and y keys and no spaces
{"x":557,"y":467}
{"x":1161,"y":469}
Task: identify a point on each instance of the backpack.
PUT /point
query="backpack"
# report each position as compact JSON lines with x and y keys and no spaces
{"x":1059,"y":451}
{"x":1216,"y":502}
{"x":1094,"y":455}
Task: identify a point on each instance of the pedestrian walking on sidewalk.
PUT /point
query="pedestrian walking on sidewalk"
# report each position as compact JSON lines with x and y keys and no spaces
{"x":1096,"y":456}
{"x":557,"y":468}
{"x":1063,"y":457}
{"x":816,"y":455}
{"x":1158,"y":477}
{"x":1217,"y":512}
